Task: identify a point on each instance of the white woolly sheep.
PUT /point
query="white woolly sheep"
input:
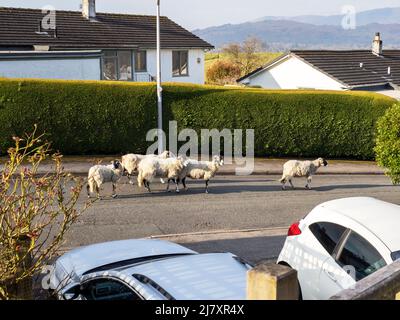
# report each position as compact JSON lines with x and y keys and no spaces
{"x":296,"y":168}
{"x":200,"y":170}
{"x":131,"y":161}
{"x":100,"y":174}
{"x":155,"y":167}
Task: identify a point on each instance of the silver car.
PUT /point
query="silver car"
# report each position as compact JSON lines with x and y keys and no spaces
{"x":147,"y":270}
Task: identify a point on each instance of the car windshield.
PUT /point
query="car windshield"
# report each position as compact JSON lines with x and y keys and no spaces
{"x":396,"y":255}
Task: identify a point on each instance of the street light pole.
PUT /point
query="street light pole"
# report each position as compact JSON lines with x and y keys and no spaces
{"x":159,"y":87}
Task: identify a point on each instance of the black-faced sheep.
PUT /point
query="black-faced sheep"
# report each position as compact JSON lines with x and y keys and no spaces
{"x":295,"y":168}
{"x":154,"y":167}
{"x":200,"y":170}
{"x":100,"y":174}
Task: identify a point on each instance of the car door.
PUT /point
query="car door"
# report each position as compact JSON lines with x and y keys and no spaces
{"x":326,"y":236}
{"x":355,"y":258}
{"x":334,"y":277}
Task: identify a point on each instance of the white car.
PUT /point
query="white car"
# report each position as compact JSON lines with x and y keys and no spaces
{"x":341,"y":242}
{"x":146,"y":269}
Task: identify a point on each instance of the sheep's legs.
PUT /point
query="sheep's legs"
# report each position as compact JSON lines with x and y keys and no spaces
{"x":176,"y":181}
{"x":308,"y":185}
{"x":130,"y":179}
{"x":207,"y":181}
{"x":98,"y":192}
{"x":283,"y":181}
{"x":147,"y":185}
{"x":114,"y":194}
{"x":291,"y":183}
{"x":184,"y":183}
{"x":88,"y":191}
{"x":177,"y":186}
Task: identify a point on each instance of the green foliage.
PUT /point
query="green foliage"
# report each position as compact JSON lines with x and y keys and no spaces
{"x":261,"y":58}
{"x":114,"y":117}
{"x":78,"y":117}
{"x":286,"y":123}
{"x":223,"y":72}
{"x":388,"y":143}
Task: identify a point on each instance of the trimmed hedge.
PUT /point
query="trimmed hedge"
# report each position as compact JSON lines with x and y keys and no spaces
{"x":388,"y":143}
{"x":79,"y":117}
{"x":286,"y":123}
{"x":88,"y":117}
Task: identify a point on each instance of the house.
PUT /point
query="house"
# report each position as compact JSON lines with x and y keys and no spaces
{"x":372,"y":70}
{"x":88,"y":45}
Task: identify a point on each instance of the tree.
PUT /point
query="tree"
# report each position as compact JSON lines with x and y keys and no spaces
{"x":387,"y":147}
{"x":36,"y":211}
{"x":223,"y":72}
{"x":245,"y":55}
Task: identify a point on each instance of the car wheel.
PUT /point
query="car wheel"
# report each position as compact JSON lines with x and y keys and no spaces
{"x":300,"y":297}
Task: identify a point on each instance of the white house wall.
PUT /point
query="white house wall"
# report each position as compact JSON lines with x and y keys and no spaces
{"x":66,"y":69}
{"x":293,"y":73}
{"x":196,"y":67}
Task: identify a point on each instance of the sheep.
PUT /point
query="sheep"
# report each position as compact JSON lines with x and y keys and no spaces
{"x":131,"y":161}
{"x":152,"y":167}
{"x":204,"y":170}
{"x":100,"y":174}
{"x":296,"y":168}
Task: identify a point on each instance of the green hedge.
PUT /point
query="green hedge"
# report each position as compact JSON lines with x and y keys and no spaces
{"x":388,"y":143}
{"x":113,"y":117}
{"x":80,"y":118}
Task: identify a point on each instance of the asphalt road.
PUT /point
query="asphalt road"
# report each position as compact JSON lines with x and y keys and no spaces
{"x":234,"y":203}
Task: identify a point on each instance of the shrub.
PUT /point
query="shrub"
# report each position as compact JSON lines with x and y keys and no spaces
{"x":286,"y":123}
{"x":79,"y":117}
{"x":89,"y":117}
{"x":223,"y":72}
{"x":388,"y":143}
{"x":36,"y":211}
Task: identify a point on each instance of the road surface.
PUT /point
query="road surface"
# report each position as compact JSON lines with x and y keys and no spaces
{"x":255,"y":205}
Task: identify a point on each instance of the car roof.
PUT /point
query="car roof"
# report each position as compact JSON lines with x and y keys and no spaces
{"x":214,"y":276}
{"x":379,"y":217}
{"x":84,"y":259}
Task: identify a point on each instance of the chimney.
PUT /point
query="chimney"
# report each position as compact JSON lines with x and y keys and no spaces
{"x":377,"y":45}
{"x":89,"y":9}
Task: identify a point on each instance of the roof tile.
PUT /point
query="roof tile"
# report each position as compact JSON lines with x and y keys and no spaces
{"x":19,"y":28}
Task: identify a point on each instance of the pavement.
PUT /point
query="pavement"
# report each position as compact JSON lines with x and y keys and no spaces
{"x":80,"y":165}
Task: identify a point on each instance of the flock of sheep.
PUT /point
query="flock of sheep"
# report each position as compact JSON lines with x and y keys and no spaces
{"x":170,"y":168}
{"x":148,"y":167}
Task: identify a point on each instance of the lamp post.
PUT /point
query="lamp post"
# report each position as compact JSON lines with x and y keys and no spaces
{"x":159,"y":87}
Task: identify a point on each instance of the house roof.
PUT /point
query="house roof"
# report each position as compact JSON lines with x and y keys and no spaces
{"x":352,"y":68}
{"x":19,"y":28}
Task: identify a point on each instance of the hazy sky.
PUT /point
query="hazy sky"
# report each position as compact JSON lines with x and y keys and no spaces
{"x":203,"y":13}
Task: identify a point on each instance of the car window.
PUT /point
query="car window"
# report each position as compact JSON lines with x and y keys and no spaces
{"x":108,"y":289}
{"x":328,"y":234}
{"x":359,"y":254}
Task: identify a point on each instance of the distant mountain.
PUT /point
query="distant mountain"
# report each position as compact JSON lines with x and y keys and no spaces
{"x":381,"y":16}
{"x":282,"y":35}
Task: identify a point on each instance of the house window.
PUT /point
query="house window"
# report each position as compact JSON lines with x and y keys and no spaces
{"x":140,"y":61}
{"x":180,"y":63}
{"x":117,"y":65}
